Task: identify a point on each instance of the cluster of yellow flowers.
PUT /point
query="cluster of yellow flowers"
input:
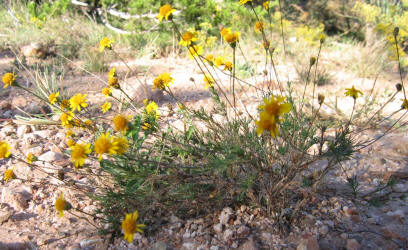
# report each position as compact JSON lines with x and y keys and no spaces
{"x":219,"y":61}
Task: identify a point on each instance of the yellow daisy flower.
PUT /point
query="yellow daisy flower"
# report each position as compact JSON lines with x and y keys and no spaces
{"x":266,"y":44}
{"x":146,"y":126}
{"x":113,"y":82}
{"x":268,"y":123}
{"x":210,"y":59}
{"x":259,"y":26}
{"x":165,"y":12}
{"x":209,"y":81}
{"x":61,"y":205}
{"x":130,"y":227}
{"x":121,"y":144}
{"x":70,"y":143}
{"x":105,"y":43}
{"x":266,"y":5}
{"x":66,"y":118}
{"x":151,"y":107}
{"x":112,"y":72}
{"x":232,"y":38}
{"x":225,"y":31}
{"x":353,"y":92}
{"x":275,"y":107}
{"x":107,"y":91}
{"x":4,"y":150}
{"x":8,"y":79}
{"x":8,"y":175}
{"x":228,"y":66}
{"x":120,"y":123}
{"x":104,"y":145}
{"x":52,"y":98}
{"x":162,"y":81}
{"x":187,"y":38}
{"x":79,"y":153}
{"x":30,"y":158}
{"x":78,"y":101}
{"x":106,"y":106}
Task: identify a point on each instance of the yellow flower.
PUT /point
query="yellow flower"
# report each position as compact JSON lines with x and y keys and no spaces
{"x":266,"y":5}
{"x":64,"y":104}
{"x":107,"y":91}
{"x":106,"y":106}
{"x":120,"y":123}
{"x":105,"y":43}
{"x":69,"y":133}
{"x":228,"y":66}
{"x":187,"y":38}
{"x":225,"y":31}
{"x":8,"y":79}
{"x":104,"y":145}
{"x":151,"y":107}
{"x":404,"y":104}
{"x":112,"y":72}
{"x":322,"y":38}
{"x":195,"y":50}
{"x":209,"y":81}
{"x":113,"y":82}
{"x":61,"y":205}
{"x":66,"y":118}
{"x":352,"y":92}
{"x":121,"y":145}
{"x":88,"y":123}
{"x":181,"y":106}
{"x":146,"y":126}
{"x":275,"y":106}
{"x":52,"y":98}
{"x":268,"y":123}
{"x":70,"y":143}
{"x":259,"y":26}
{"x":165,"y":12}
{"x":210,"y":59}
{"x":162,"y":81}
{"x":241,"y":2}
{"x":266,"y":44}
{"x":30,"y":158}
{"x":78,"y":101}
{"x":4,"y":150}
{"x":130,"y":227}
{"x":232,"y":38}
{"x":219,"y":60}
{"x":113,"y":79}
{"x":79,"y":153}
{"x":8,"y":175}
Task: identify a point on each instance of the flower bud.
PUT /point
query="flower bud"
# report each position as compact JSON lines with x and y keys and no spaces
{"x":312,"y":61}
{"x":399,"y":87}
{"x":322,"y":38}
{"x":320,"y":99}
{"x":396,"y":31}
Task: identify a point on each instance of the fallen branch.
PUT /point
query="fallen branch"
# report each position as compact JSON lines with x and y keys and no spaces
{"x":79,"y":3}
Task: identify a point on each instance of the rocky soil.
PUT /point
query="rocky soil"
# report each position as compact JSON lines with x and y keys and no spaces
{"x":331,"y":218}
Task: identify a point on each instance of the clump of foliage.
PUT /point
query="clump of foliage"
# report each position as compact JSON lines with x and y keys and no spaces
{"x":227,"y":154}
